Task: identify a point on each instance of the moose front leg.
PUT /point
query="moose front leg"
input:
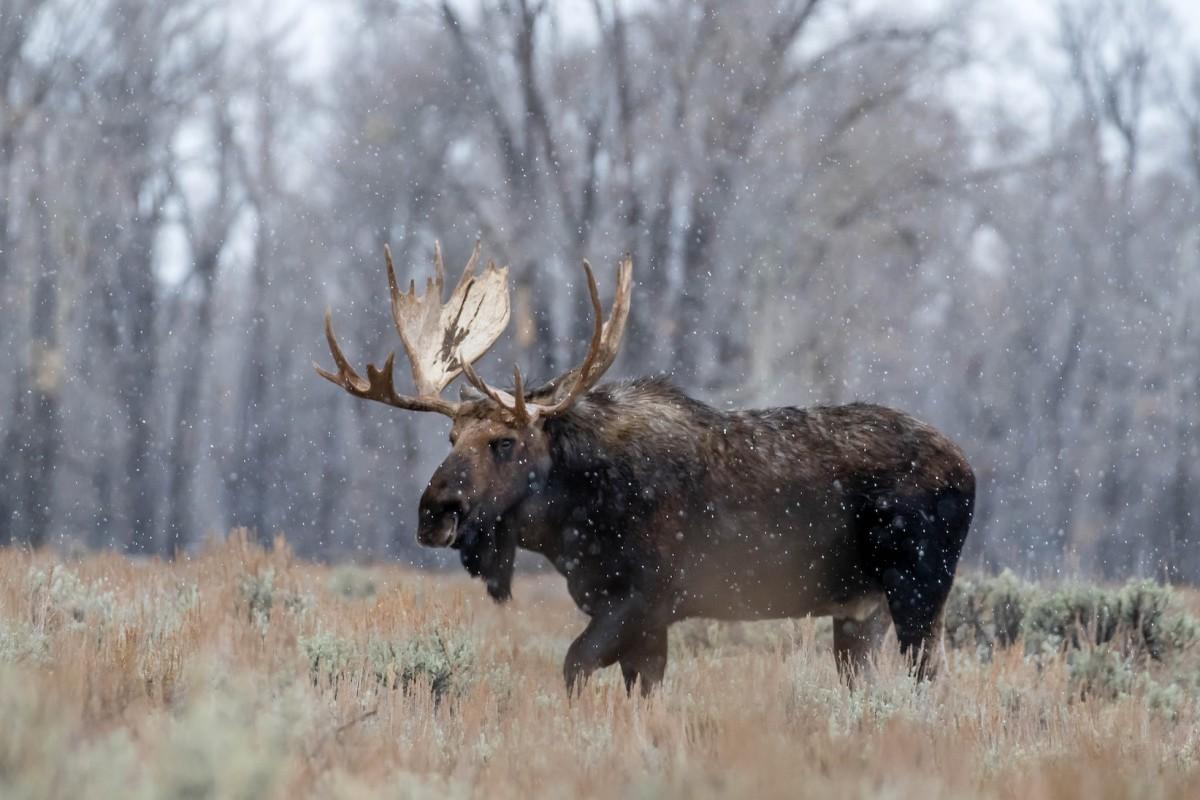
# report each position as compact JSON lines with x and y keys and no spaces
{"x":614,"y":630}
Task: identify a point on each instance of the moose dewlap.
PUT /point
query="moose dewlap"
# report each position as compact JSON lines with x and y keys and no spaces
{"x":656,"y":507}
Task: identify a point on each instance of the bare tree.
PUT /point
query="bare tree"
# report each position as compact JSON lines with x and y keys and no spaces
{"x":29,"y":75}
{"x":208,"y":232}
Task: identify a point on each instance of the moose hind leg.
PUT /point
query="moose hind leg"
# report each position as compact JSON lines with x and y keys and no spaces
{"x":645,"y":657}
{"x":856,"y":640}
{"x":915,"y":554}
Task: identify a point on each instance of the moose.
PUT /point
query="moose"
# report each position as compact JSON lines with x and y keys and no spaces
{"x":656,"y":507}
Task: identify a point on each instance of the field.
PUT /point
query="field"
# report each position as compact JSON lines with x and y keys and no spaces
{"x":247,"y":673}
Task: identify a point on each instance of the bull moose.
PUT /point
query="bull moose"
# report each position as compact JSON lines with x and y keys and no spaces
{"x":657,"y":507}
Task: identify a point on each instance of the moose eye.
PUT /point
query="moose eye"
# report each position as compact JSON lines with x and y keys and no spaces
{"x":503,"y":448}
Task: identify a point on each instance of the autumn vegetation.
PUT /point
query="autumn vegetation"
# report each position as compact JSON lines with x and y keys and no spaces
{"x":244,"y":672}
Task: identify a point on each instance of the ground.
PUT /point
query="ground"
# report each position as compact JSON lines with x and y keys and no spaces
{"x":246,"y":673}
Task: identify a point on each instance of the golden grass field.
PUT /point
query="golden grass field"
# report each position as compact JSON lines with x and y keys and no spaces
{"x":244,"y":673}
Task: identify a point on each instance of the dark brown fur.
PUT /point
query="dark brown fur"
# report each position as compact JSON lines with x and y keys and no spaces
{"x":656,"y":507}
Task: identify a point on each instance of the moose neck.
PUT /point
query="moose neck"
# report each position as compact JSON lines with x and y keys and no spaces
{"x":623,"y":449}
{"x":594,"y":485}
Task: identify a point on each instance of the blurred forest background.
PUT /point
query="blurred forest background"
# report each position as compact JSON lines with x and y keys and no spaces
{"x":986,"y":217}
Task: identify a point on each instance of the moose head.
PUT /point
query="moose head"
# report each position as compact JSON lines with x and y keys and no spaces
{"x":500,"y":454}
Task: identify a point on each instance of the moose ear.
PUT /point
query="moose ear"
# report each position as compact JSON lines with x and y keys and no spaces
{"x":546,"y":392}
{"x":467,"y":392}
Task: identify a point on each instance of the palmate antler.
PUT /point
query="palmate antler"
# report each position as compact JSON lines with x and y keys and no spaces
{"x":438,"y":338}
{"x":444,"y":340}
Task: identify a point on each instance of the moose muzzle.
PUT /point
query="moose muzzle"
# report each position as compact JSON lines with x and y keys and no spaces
{"x":442,"y":510}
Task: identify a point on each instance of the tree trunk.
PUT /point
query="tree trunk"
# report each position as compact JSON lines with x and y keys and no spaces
{"x":694,"y":319}
{"x":137,"y":372}
{"x":8,"y":151}
{"x":10,"y":451}
{"x":249,"y":487}
{"x":250,"y":484}
{"x":181,"y":462}
{"x":46,"y":368}
{"x":332,"y":483}
{"x":101,"y":533}
{"x":12,"y":463}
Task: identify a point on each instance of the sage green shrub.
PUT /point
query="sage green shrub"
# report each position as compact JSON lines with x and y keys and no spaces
{"x":443,"y":660}
{"x":1140,"y":618}
{"x":986,"y":612}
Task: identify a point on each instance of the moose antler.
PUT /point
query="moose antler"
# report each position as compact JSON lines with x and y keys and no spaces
{"x":602,"y":351}
{"x":441,"y":340}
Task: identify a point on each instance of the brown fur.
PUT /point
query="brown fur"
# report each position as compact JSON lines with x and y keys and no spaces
{"x":657,"y":507}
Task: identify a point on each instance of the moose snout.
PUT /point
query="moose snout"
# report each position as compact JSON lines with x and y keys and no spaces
{"x":441,"y":513}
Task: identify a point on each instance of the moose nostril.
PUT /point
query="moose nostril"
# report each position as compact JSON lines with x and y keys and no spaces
{"x":440,"y":521}
{"x":440,"y":508}
{"x":453,"y":506}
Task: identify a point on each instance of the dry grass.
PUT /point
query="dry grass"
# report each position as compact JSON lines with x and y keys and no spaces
{"x":242,"y":673}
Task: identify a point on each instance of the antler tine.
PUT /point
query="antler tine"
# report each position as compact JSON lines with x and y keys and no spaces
{"x":346,"y":377}
{"x":583,"y":375}
{"x":519,"y":394}
{"x":397,"y":302}
{"x":474,"y":379}
{"x":393,"y":284}
{"x":469,"y":271}
{"x":606,"y":337}
{"x":597,"y":327}
{"x":381,"y":380}
{"x":439,"y":269}
{"x":513,"y":405}
{"x":614,"y":328}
